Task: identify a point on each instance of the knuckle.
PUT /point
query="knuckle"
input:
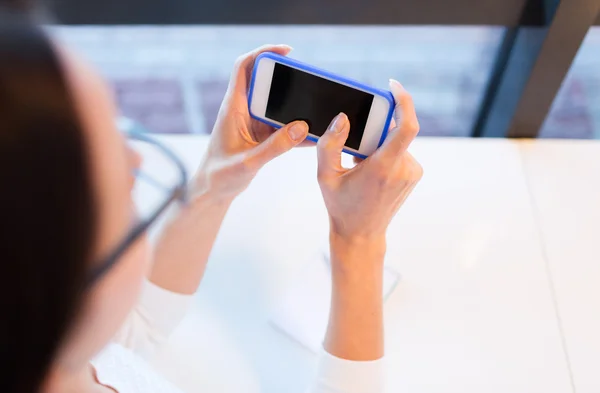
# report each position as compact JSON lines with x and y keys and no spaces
{"x":323,"y":178}
{"x":411,"y":125}
{"x":416,"y":172}
{"x":400,"y":177}
{"x":407,"y":171}
{"x":413,"y":169}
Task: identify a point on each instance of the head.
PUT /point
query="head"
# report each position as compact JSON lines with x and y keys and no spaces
{"x":65,"y":202}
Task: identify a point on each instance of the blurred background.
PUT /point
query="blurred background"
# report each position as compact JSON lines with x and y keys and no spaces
{"x":497,"y":68}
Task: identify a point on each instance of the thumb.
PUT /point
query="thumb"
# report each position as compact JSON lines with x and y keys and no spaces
{"x":278,"y":143}
{"x":330,"y":145}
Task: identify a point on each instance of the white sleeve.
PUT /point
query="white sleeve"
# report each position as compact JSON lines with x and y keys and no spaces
{"x":159,"y":311}
{"x":335,"y":375}
{"x":157,"y":314}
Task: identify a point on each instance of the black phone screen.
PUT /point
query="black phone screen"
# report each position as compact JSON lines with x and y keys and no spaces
{"x":297,"y":95}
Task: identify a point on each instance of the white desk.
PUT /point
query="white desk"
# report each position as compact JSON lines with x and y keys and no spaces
{"x":475,"y":309}
{"x":564,"y":178}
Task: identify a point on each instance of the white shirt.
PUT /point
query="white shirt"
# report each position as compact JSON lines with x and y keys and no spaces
{"x":121,"y":365}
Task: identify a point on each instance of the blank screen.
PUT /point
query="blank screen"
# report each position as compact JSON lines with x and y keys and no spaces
{"x":297,"y":95}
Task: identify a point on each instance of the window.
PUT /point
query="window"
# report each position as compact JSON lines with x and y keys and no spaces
{"x":172,"y":79}
{"x":575,"y":112}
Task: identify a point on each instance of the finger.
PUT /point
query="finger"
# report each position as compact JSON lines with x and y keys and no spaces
{"x":407,"y":124}
{"x":357,"y":160}
{"x":330,"y":145}
{"x":240,"y":78}
{"x":278,"y":143}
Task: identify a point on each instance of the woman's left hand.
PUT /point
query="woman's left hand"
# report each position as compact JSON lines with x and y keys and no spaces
{"x":241,"y":145}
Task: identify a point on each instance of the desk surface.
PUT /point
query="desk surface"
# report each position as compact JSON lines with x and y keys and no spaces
{"x":477,"y":309}
{"x":564,"y":178}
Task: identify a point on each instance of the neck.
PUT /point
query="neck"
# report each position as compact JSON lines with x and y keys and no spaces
{"x":62,"y":379}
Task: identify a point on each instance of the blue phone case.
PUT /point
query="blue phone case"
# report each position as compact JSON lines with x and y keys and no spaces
{"x":297,"y":64}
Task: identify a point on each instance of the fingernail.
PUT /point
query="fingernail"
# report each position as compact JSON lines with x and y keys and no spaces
{"x":396,"y":87}
{"x":284,"y":46}
{"x":298,"y":131}
{"x":337,"y":125}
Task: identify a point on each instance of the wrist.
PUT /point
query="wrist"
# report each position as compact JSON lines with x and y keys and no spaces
{"x":202,"y":190}
{"x":343,"y":232}
{"x":202,"y":203}
{"x":357,"y":257}
{"x":360,"y":245}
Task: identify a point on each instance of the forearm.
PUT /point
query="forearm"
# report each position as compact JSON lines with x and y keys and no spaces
{"x":185,"y":243}
{"x":355,"y":329}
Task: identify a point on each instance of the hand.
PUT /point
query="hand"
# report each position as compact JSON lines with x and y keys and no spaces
{"x":241,"y":145}
{"x":362,"y":201}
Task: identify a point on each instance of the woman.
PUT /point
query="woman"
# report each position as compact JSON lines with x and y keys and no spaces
{"x":73,"y":265}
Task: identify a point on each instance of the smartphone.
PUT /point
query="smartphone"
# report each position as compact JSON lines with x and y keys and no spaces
{"x":283,"y":90}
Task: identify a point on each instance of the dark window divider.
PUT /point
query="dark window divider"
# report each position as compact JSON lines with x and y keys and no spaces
{"x":336,"y":12}
{"x":532,"y":64}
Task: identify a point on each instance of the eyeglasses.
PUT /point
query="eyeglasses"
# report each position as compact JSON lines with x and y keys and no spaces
{"x":160,"y":182}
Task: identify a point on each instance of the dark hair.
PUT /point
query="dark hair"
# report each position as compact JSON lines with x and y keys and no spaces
{"x":24,"y":6}
{"x":30,"y":9}
{"x":46,"y":206}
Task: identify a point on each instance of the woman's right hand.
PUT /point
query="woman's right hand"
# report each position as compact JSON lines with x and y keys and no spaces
{"x":362,"y":201}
